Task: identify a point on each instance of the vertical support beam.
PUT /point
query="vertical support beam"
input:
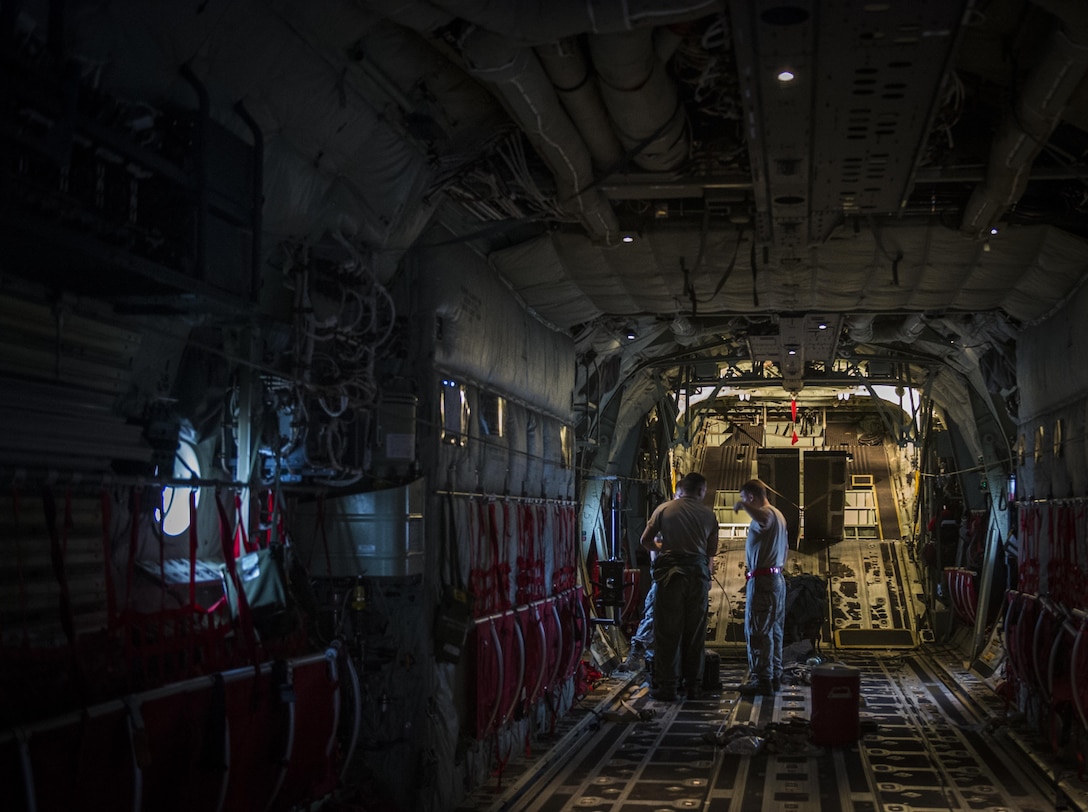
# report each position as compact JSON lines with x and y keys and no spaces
{"x":986,"y":582}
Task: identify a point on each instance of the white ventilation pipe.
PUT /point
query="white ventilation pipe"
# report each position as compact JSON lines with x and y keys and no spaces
{"x":569,"y":71}
{"x":641,"y":99}
{"x":526,"y":91}
{"x":860,"y":328}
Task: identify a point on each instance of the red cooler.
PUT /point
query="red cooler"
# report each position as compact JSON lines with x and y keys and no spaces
{"x":836,"y":691}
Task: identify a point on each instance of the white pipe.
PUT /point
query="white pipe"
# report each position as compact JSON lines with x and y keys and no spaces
{"x":641,"y":99}
{"x":519,"y":79}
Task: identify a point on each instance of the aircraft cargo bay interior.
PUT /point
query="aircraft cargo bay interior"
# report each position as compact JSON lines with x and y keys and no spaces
{"x":614,"y":405}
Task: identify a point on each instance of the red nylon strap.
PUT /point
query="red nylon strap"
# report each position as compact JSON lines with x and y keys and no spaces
{"x":502,"y":565}
{"x":244,"y":617}
{"x":107,"y":558}
{"x":502,"y":556}
{"x":240,"y":530}
{"x":525,"y":541}
{"x":271,"y":508}
{"x":482,"y":575}
{"x":557,"y":550}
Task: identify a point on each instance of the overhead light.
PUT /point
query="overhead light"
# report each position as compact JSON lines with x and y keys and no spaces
{"x":791,"y":351}
{"x":627,"y":238}
{"x":786,"y":76}
{"x":822,"y":325}
{"x":631,"y":334}
{"x":993,"y":230}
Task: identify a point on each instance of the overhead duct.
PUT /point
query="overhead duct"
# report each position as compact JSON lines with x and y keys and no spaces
{"x":547,"y":22}
{"x":566,"y":65}
{"x":641,"y":99}
{"x":863,"y":331}
{"x":860,"y":328}
{"x":520,"y":81}
{"x":1038,"y":109}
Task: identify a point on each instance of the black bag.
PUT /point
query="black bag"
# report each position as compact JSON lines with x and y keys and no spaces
{"x":712,"y":670}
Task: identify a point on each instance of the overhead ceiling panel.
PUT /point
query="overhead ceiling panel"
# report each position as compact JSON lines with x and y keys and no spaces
{"x":829,"y":142}
{"x":879,"y":72}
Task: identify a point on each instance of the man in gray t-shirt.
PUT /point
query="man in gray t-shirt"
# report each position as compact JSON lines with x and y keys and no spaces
{"x":765,"y":551}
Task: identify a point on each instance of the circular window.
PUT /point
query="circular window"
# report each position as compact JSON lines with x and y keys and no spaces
{"x":174,"y":513}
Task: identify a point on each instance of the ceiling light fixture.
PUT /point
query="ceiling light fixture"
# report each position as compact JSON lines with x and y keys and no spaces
{"x":785,"y":76}
{"x":627,"y":238}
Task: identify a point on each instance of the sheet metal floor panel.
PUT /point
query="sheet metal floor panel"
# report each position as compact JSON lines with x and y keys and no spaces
{"x":934,"y":748}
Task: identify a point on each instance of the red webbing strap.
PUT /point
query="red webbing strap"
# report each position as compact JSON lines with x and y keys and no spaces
{"x":557,"y":548}
{"x":540,"y":569}
{"x":1029,"y":552}
{"x":193,"y":538}
{"x":226,"y":542}
{"x":57,"y":550}
{"x":1067,"y":565}
{"x":107,"y":557}
{"x":481,"y":574}
{"x":270,"y":508}
{"x":500,"y":548}
{"x":523,"y":579}
{"x":241,"y":539}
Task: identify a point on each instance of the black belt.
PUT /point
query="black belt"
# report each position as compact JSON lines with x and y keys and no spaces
{"x":748,"y":576}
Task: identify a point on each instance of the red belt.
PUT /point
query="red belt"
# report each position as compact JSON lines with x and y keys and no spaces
{"x":748,"y":576}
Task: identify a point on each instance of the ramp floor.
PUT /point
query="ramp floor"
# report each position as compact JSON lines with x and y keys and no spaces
{"x":932,"y":738}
